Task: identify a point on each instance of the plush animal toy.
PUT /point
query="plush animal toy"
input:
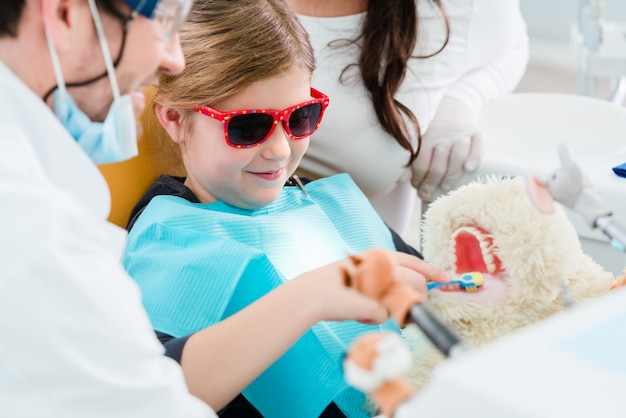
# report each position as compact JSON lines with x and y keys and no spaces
{"x":532,"y":264}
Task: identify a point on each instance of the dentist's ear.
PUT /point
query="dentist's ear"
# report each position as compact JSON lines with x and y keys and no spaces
{"x":60,"y":17}
{"x":171,"y":120}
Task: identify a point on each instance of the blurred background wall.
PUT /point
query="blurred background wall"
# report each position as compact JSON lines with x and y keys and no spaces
{"x":549,"y":20}
{"x":553,"y":64}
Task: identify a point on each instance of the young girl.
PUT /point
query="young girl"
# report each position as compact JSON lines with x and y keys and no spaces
{"x":205,"y":246}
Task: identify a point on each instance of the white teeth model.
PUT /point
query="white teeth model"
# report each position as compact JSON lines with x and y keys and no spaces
{"x":453,"y":258}
{"x":484,"y":243}
{"x":452,"y":252}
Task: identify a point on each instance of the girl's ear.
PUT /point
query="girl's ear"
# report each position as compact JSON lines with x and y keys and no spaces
{"x":171,"y":120}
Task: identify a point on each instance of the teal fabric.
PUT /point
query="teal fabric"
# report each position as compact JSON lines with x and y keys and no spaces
{"x":197,"y":264}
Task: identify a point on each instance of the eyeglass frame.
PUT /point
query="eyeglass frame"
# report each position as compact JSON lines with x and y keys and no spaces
{"x":161,"y":18}
{"x":277,"y":115}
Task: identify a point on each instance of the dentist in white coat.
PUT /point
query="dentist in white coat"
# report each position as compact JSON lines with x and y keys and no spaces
{"x":75,"y":342}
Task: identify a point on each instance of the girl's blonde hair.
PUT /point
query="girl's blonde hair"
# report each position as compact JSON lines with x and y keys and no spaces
{"x":229,"y":45}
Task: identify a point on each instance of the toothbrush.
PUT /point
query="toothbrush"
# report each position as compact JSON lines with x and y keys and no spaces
{"x":468,"y":282}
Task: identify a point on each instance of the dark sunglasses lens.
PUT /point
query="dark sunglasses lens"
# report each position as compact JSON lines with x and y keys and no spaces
{"x":302,"y":121}
{"x":249,"y":129}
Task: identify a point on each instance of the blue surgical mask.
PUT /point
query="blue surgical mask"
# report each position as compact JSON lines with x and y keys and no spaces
{"x":110,"y":141}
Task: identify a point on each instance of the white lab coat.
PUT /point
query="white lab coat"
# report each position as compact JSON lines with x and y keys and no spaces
{"x":74,"y":338}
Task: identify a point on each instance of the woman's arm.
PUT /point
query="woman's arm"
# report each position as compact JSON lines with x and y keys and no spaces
{"x":491,"y":37}
{"x":496,"y":40}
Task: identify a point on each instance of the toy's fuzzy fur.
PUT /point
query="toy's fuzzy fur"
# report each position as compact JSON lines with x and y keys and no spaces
{"x":540,"y":255}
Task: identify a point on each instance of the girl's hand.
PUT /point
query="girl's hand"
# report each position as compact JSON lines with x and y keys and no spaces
{"x":392,"y":280}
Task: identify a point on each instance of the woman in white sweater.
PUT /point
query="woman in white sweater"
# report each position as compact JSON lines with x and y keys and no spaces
{"x":407,"y":79}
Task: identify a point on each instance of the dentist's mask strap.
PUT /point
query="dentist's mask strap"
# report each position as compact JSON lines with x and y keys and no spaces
{"x":113,"y":140}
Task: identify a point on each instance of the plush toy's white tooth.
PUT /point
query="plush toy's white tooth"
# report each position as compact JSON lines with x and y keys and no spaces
{"x":489,"y":263}
{"x":454,"y":235}
{"x":468,"y":229}
{"x":475,"y":230}
{"x":452,"y":253}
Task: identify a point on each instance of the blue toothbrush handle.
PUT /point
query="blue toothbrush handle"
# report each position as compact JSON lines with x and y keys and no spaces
{"x":468,"y":281}
{"x":433,"y":285}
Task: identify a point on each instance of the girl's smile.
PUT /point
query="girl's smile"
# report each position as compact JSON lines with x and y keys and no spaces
{"x":219,"y":167}
{"x":269,"y":175}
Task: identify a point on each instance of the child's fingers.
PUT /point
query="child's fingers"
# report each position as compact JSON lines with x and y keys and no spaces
{"x":420,"y":266}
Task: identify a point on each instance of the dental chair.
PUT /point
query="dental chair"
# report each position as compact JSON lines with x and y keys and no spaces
{"x":129,"y":180}
{"x":522,"y":132}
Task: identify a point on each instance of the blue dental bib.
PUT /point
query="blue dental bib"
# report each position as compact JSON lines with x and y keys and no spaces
{"x":197,"y":264}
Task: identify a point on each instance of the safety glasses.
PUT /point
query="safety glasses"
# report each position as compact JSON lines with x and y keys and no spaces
{"x":248,"y":128}
{"x":168,"y":15}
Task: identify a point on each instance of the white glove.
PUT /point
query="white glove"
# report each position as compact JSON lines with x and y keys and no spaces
{"x":452,"y":146}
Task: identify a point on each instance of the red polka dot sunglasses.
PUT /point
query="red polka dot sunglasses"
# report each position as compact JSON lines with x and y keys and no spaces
{"x":248,"y":128}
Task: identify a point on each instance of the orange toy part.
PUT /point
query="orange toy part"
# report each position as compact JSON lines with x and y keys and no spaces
{"x":619,"y":282}
{"x":375,"y":276}
{"x":389,"y":393}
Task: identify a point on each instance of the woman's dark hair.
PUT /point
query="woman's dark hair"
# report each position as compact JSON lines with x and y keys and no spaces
{"x":11,"y":13}
{"x":388,"y":38}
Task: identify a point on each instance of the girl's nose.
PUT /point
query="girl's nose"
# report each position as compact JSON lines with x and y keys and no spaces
{"x":277,"y":146}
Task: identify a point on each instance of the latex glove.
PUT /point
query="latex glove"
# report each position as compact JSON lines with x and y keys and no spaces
{"x":451,"y":147}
